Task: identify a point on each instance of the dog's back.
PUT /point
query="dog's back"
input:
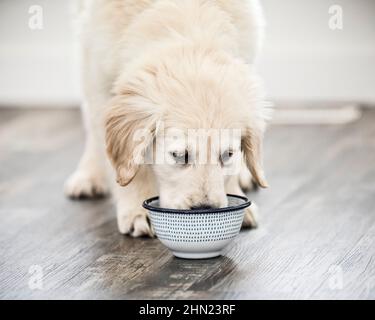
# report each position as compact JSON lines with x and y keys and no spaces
{"x":105,"y":23}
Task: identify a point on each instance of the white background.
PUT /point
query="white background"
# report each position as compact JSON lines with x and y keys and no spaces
{"x":302,"y":59}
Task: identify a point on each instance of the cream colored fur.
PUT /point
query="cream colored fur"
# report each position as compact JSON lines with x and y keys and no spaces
{"x":185,"y":64}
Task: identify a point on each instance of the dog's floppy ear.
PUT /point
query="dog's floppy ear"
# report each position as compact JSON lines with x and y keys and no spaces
{"x":129,"y":117}
{"x":252,"y":148}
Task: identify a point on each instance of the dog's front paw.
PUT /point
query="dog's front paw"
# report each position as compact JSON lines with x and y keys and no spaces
{"x":82,"y":184}
{"x":250,"y":219}
{"x":135,"y":225}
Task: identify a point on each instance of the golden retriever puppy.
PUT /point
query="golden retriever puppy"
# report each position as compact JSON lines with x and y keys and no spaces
{"x":156,"y":74}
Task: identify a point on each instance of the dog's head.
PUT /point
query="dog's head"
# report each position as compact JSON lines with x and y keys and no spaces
{"x":163,"y":108}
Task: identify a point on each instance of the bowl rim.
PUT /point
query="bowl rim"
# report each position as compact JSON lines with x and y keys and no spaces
{"x":247,"y":202}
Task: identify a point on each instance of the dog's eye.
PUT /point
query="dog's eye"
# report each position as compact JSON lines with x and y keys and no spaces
{"x":180,"y":157}
{"x":226,"y":156}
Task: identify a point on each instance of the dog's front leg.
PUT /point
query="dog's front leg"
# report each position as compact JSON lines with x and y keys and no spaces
{"x":90,"y":178}
{"x":132,"y":218}
{"x":251,"y":213}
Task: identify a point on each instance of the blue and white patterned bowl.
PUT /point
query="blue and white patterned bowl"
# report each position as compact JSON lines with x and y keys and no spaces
{"x":197,"y":234}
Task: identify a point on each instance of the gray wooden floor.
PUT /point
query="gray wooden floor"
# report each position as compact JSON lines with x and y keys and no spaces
{"x":316,"y":237}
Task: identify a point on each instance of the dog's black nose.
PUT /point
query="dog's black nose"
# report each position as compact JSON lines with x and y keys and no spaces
{"x":201,"y":207}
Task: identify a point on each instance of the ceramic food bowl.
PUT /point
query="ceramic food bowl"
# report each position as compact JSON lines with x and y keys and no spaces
{"x":197,"y":234}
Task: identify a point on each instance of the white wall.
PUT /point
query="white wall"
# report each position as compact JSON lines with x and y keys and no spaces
{"x":303,"y":59}
{"x":38,"y":67}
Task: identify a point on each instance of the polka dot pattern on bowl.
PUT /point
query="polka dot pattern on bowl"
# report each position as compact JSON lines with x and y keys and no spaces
{"x":197,"y":227}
